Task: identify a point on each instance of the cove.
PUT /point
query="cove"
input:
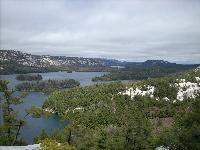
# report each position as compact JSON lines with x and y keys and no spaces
{"x":34,"y":126}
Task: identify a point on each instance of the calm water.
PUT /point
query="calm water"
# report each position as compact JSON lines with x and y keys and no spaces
{"x":34,"y":126}
{"x":83,"y":77}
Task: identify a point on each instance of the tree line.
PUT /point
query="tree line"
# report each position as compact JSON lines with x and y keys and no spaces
{"x":101,"y":118}
{"x":140,"y":73}
{"x":46,"y":86}
{"x":28,"y":77}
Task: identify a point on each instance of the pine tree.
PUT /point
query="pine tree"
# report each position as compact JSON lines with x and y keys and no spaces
{"x":10,"y":129}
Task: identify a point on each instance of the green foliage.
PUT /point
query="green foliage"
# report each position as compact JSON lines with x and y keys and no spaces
{"x":35,"y":111}
{"x":28,"y":77}
{"x":10,"y":127}
{"x":3,"y":85}
{"x":47,"y":86}
{"x":164,"y":87}
{"x":101,"y":118}
{"x":185,"y":133}
{"x":140,"y":73}
{"x":48,"y":144}
{"x":43,"y":135}
{"x":106,"y":121}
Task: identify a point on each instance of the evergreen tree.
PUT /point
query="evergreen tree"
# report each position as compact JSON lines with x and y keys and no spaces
{"x":10,"y":129}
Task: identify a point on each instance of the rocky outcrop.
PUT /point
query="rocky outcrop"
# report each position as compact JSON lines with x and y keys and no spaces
{"x":28,"y":147}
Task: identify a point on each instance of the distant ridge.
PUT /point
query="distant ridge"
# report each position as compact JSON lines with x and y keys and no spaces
{"x":53,"y":60}
{"x":12,"y":61}
{"x":157,"y":62}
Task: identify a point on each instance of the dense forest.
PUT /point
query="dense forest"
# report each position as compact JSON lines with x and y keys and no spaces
{"x":11,"y":126}
{"x":46,"y":86}
{"x":28,"y":77}
{"x":137,"y":115}
{"x":101,"y":117}
{"x":143,"y":72}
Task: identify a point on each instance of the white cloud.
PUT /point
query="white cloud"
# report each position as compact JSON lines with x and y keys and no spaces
{"x":133,"y":30}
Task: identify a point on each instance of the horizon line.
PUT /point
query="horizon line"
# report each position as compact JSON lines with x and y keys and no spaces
{"x":121,"y":60}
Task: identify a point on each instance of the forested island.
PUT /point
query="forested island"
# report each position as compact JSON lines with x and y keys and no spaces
{"x":69,"y":71}
{"x":47,"y":86}
{"x":29,"y":77}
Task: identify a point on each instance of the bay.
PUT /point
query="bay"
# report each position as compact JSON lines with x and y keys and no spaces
{"x":34,"y":126}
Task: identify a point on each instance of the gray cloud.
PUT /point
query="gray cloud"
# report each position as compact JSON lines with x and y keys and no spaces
{"x":133,"y":30}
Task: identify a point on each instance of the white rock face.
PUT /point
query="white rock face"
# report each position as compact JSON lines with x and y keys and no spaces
{"x":133,"y":92}
{"x":197,"y":78}
{"x":49,"y":110}
{"x":28,"y":147}
{"x":187,"y":89}
{"x":161,"y":148}
{"x":166,"y":99}
{"x":197,"y":69}
{"x":74,"y":110}
{"x":78,"y":108}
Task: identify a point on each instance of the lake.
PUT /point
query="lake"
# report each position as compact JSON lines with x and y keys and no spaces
{"x":34,"y":126}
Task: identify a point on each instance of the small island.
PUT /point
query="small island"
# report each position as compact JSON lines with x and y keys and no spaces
{"x":29,"y":77}
{"x":46,"y":86}
{"x":69,"y":71}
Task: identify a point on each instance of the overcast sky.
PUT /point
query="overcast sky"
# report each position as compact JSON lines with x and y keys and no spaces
{"x":132,"y":30}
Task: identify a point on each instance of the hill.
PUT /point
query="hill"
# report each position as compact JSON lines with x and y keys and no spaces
{"x":12,"y":61}
{"x":138,"y":115}
{"x":144,"y":70}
